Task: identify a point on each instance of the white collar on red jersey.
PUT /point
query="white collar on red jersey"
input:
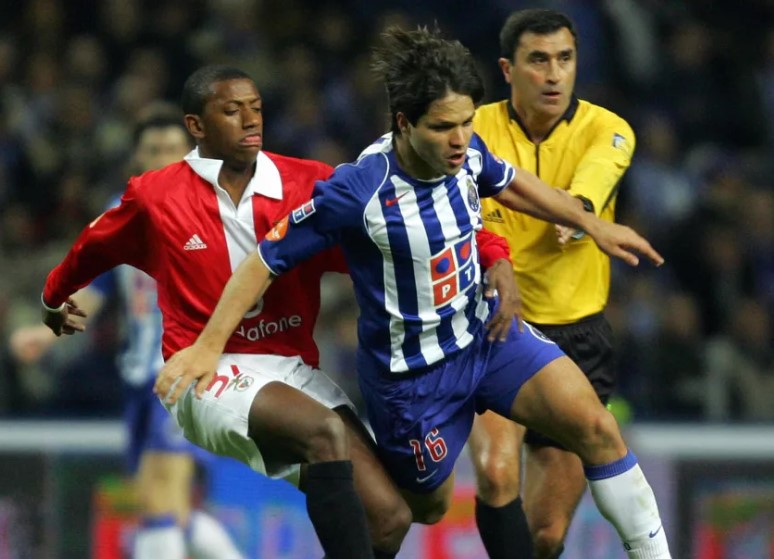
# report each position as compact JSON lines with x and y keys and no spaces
{"x":266,"y":180}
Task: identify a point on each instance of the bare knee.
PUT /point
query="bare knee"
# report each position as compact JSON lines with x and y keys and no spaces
{"x":328,"y":441}
{"x":431,"y":508}
{"x":498,"y":478}
{"x":548,"y":539}
{"x":600,"y":440}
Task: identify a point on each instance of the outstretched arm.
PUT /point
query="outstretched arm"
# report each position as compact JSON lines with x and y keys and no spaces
{"x":199,"y":361}
{"x":528,"y":194}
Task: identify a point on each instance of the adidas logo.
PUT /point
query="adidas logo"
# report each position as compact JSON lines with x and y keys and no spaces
{"x":195,"y":243}
{"x":495,"y":216}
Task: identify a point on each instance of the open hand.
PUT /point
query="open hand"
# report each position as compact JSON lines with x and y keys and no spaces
{"x":192,"y":364}
{"x":624,"y":242}
{"x":61,"y":321}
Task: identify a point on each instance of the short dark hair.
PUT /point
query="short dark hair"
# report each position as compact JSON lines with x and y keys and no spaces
{"x":419,"y":67}
{"x":534,"y":20}
{"x":198,"y":86}
{"x":159,"y":115}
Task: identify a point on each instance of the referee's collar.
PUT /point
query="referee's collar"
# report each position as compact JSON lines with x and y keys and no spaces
{"x":567,"y":116}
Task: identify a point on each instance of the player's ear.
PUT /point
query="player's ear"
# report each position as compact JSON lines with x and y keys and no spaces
{"x":403,"y":122}
{"x":194,"y":125}
{"x":505,"y":68}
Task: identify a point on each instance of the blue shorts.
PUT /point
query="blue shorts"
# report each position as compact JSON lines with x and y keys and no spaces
{"x":422,"y":420}
{"x":151,"y":427}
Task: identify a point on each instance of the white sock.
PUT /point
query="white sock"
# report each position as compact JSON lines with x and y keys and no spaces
{"x":208,"y":538}
{"x":159,"y":537}
{"x":625,"y":499}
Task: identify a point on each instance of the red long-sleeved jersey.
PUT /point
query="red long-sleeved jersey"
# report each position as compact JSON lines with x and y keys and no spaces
{"x":183,"y":230}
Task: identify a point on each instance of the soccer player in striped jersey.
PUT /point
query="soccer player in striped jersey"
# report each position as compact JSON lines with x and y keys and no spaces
{"x":158,"y":455}
{"x":405,"y":214}
{"x":189,"y":225}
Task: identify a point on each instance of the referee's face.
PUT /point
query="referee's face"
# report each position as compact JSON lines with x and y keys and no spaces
{"x":542,"y":74}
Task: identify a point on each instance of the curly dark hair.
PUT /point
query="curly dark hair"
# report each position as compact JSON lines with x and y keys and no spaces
{"x":419,"y":67}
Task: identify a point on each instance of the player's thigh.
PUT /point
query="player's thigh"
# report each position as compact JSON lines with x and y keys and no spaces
{"x":559,"y":402}
{"x":495,"y":450}
{"x":263,"y":410}
{"x":553,"y":486}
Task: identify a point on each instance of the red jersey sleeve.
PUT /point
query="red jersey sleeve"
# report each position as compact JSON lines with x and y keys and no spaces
{"x":491,"y":247}
{"x":118,"y":236}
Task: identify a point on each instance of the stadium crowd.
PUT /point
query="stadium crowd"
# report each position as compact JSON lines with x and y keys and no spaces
{"x":695,"y":80}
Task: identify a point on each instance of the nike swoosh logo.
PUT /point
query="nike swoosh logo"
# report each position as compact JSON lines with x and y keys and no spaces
{"x":424,"y":479}
{"x":653,"y":534}
{"x":392,"y":201}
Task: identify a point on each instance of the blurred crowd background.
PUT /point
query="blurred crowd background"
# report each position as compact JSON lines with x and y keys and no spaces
{"x":694,"y":78}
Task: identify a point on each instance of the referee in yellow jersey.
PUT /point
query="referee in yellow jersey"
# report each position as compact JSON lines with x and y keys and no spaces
{"x":563,"y":277}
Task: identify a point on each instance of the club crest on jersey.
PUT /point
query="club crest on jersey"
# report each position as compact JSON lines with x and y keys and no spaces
{"x":277,"y":232}
{"x":473,"y":200}
{"x":302,"y":212}
{"x":452,"y":271}
{"x":241,"y":382}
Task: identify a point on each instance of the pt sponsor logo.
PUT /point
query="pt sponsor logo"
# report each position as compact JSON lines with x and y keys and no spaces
{"x":265,"y":328}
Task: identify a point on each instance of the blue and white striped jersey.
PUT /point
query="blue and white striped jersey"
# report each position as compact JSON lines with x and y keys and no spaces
{"x":410,"y":246}
{"x":141,"y":357}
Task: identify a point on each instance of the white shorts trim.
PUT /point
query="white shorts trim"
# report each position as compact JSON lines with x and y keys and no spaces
{"x":218,"y":422}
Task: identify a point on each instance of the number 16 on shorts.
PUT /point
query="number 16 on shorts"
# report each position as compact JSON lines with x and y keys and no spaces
{"x":436,"y":449}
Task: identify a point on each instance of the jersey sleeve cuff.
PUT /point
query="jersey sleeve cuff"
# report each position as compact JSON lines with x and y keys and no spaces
{"x":60,"y":308}
{"x":268,"y":267}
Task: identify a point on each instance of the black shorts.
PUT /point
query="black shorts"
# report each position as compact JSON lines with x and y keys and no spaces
{"x":588,"y":342}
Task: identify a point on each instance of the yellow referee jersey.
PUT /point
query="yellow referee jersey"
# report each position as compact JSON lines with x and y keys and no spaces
{"x":586,"y":154}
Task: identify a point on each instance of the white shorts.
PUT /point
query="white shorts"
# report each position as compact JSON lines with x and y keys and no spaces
{"x":218,"y":422}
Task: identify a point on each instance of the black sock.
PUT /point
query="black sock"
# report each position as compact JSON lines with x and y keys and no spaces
{"x":504,"y":530}
{"x":379,"y":554}
{"x":336,"y":511}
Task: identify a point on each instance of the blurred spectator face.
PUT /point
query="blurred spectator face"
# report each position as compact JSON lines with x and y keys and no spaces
{"x":750,"y":325}
{"x":682,"y":318}
{"x":158,"y":147}
{"x":542,"y":74}
{"x":85,"y":60}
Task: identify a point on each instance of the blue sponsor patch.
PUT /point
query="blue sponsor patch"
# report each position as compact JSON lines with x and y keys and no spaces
{"x":302,"y":212}
{"x":618,"y":141}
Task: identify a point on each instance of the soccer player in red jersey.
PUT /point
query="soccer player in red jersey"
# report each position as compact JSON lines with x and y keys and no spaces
{"x":189,"y":225}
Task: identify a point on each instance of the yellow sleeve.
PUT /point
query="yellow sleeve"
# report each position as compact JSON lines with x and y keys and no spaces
{"x":608,"y":156}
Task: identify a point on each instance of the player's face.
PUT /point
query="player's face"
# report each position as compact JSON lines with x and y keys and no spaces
{"x":440,"y":139}
{"x":542,"y":75}
{"x":231,"y":125}
{"x":158,"y":147}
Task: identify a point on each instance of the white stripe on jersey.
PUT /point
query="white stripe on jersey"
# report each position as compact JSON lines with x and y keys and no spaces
{"x":419,"y":245}
{"x":238,"y":224}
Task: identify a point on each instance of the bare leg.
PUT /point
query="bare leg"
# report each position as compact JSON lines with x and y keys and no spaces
{"x":560,"y":402}
{"x":495,"y":444}
{"x":313,"y":434}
